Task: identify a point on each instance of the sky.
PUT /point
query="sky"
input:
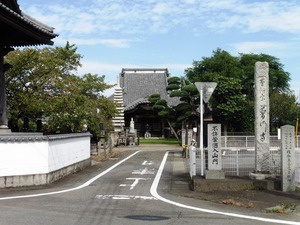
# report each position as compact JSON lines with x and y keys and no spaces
{"x":116,"y":34}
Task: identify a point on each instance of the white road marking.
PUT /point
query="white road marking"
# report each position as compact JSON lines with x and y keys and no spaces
{"x":154,"y":193}
{"x":72,"y":189}
{"x":125,"y":197}
{"x":136,"y":181}
{"x":144,"y":171}
{"x":147,"y":163}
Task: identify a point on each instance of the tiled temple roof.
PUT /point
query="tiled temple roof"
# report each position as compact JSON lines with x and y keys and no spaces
{"x":139,"y":84}
{"x":19,"y":29}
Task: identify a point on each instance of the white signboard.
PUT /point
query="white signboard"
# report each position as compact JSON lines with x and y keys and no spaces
{"x":214,"y":147}
{"x":207,"y":89}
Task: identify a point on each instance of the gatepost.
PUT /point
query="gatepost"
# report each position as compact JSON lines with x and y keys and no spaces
{"x":192,"y":154}
{"x":214,"y":153}
{"x":288,"y":158}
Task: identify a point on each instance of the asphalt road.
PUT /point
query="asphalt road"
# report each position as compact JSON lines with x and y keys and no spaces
{"x":137,"y":189}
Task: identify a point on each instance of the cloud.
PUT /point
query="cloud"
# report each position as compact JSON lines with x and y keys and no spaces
{"x":111,"y":71}
{"x":141,"y":17}
{"x":251,"y":16}
{"x":117,"y":43}
{"x":258,"y":47}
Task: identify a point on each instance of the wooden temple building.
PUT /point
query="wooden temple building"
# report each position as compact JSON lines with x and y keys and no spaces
{"x":137,"y":86}
{"x":17,"y":30}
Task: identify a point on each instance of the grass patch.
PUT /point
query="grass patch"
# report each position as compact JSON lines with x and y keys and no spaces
{"x":282,"y":208}
{"x":167,"y":141}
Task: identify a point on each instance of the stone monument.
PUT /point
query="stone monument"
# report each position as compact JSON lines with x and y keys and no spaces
{"x":132,"y":133}
{"x":131,"y":127}
{"x":214,"y":153}
{"x":288,"y":158}
{"x":262,"y":124}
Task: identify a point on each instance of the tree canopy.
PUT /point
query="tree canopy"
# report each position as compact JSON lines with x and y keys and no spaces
{"x":232,"y":101}
{"x":42,"y":85}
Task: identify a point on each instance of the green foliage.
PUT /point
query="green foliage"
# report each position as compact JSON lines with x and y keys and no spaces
{"x":179,"y":93}
{"x":172,"y":87}
{"x":174,"y":80}
{"x":283,"y":109}
{"x":188,"y":94}
{"x":160,"y":106}
{"x":190,"y":89}
{"x":164,"y":111}
{"x":42,"y":84}
{"x":232,"y":101}
{"x":154,"y":98}
{"x":278,"y":78}
{"x":162,"y":102}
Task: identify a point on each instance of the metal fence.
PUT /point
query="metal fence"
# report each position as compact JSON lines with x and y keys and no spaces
{"x":238,"y":156}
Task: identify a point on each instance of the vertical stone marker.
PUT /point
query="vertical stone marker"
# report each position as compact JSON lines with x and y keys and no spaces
{"x":288,"y":158}
{"x":214,"y":153}
{"x":262,"y":123}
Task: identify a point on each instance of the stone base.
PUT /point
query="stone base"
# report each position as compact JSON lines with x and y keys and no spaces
{"x":5,"y":131}
{"x":233,"y":184}
{"x":42,"y":179}
{"x":214,"y":174}
{"x":261,"y":176}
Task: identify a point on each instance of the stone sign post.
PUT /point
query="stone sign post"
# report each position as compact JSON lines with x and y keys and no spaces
{"x":214,"y":153}
{"x":288,"y":158}
{"x":205,"y":89}
{"x":262,"y":124}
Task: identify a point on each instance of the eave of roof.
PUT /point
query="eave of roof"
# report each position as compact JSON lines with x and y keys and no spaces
{"x":19,"y":29}
{"x":134,"y":104}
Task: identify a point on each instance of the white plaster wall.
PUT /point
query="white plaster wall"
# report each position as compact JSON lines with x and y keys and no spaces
{"x":19,"y":158}
{"x":65,"y":152}
{"x":23,"y":158}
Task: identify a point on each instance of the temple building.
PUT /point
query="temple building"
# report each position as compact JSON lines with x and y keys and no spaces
{"x":137,"y":86}
{"x":17,"y":30}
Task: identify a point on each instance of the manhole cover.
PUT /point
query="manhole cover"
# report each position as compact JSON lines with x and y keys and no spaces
{"x":147,"y":217}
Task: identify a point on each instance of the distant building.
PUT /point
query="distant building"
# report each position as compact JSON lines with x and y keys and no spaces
{"x":137,"y":86}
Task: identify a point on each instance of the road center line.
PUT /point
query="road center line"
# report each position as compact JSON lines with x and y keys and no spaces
{"x":154,"y":193}
{"x":87,"y":183}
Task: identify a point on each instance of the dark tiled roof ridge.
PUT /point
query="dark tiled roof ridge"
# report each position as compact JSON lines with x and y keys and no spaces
{"x":37,"y":24}
{"x":145,"y":69}
{"x":29,"y":20}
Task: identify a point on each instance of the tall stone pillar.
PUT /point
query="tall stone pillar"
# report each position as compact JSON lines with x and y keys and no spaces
{"x":288,"y":155}
{"x":262,"y":120}
{"x":3,"y":98}
{"x":3,"y":108}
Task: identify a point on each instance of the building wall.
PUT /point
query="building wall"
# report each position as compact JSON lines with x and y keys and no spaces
{"x":39,"y":160}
